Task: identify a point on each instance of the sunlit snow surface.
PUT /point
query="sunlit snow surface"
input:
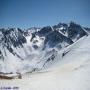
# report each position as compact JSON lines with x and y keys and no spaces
{"x":70,"y":72}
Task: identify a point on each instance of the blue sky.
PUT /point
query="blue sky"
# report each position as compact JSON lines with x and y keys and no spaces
{"x":29,"y":13}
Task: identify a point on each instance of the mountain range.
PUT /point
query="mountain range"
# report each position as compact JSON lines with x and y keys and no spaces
{"x":35,"y":49}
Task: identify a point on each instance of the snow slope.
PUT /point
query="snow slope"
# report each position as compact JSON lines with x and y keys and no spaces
{"x":71,"y":72}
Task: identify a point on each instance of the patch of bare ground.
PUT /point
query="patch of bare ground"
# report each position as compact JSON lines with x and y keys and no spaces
{"x":6,"y":77}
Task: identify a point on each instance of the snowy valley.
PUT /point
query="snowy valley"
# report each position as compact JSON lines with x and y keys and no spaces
{"x":49,"y":58}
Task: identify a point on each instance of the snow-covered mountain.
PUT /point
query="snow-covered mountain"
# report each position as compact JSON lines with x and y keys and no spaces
{"x":36,"y":48}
